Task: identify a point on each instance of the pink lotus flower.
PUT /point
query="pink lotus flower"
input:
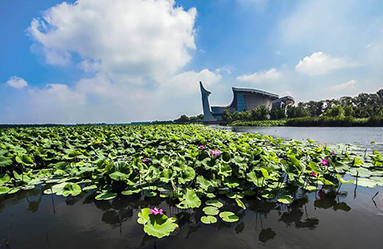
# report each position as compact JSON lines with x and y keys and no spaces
{"x":324,"y":162}
{"x":201,"y":147}
{"x":313,"y":173}
{"x":156,"y":211}
{"x":332,"y":152}
{"x":215,"y":152}
{"x":144,"y":160}
{"x":100,"y":143}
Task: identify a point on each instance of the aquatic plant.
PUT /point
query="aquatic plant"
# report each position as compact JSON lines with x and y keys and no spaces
{"x":167,"y":161}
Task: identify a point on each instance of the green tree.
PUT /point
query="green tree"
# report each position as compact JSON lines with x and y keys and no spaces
{"x":296,"y":111}
{"x":335,"y":111}
{"x":348,"y":110}
{"x":278,"y":113}
{"x":183,"y":119}
{"x":260,"y":113}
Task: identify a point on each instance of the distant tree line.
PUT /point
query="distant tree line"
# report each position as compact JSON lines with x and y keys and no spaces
{"x":365,"y":105}
{"x":191,"y":119}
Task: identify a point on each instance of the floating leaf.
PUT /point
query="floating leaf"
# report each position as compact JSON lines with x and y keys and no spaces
{"x":106,"y":196}
{"x":208,"y":219}
{"x":4,"y":190}
{"x":240,"y":203}
{"x":214,"y":203}
{"x":191,"y":200}
{"x":210,"y":210}
{"x":228,"y":216}
{"x":285,"y":199}
{"x":5,"y":161}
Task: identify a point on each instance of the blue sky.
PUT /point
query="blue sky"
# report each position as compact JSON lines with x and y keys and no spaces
{"x":130,"y":60}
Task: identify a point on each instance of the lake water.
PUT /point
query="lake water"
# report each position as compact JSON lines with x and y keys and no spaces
{"x":347,"y":218}
{"x":319,"y":220}
{"x":368,"y":137}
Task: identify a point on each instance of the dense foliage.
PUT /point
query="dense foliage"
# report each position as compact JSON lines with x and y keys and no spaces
{"x":192,"y":165}
{"x":346,"y":108}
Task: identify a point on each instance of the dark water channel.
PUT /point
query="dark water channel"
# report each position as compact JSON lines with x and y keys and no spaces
{"x":345,"y":218}
{"x":323,"y":219}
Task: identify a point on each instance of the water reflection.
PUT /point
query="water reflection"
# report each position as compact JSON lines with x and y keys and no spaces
{"x":266,"y":221}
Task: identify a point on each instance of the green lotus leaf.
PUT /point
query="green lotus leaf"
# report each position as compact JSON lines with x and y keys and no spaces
{"x":106,"y":196}
{"x":131,"y":192}
{"x":258,"y":181}
{"x":27,"y":160}
{"x":210,"y":210}
{"x":160,"y":226}
{"x":225,"y":170}
{"x":265,"y":173}
{"x":150,"y":193}
{"x":228,"y":216}
{"x":186,"y":174}
{"x":343,"y":181}
{"x":205,"y":184}
{"x":166,"y":175}
{"x":4,"y":179}
{"x":232,"y":182}
{"x":5,"y":161}
{"x":27,"y":187}
{"x":119,"y":176}
{"x":357,"y":162}
{"x":90,"y":188}
{"x":143,"y":216}
{"x":13,"y":190}
{"x":72,"y":189}
{"x":208,"y":219}
{"x":285,"y":199}
{"x":214,"y":203}
{"x":240,"y":203}
{"x":210,"y":195}
{"x":4,"y":190}
{"x":191,"y":200}
{"x":310,"y":188}
{"x":233,"y":195}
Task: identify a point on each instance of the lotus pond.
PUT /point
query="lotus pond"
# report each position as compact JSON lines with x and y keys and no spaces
{"x":183,"y":186}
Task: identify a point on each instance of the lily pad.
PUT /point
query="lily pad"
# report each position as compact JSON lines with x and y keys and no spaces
{"x":106,"y":196}
{"x":285,"y":199}
{"x":214,"y":203}
{"x":228,"y":216}
{"x":210,"y":210}
{"x":208,"y":219}
{"x":191,"y":200}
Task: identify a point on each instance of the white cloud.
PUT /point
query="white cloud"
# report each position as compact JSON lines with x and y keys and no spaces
{"x":17,"y":82}
{"x":343,"y":87}
{"x":133,"y":39}
{"x":260,"y":77}
{"x":188,"y":82}
{"x":135,"y":49}
{"x":321,"y":63}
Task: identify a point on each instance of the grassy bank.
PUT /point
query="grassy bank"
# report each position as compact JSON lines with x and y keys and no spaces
{"x":315,"y":122}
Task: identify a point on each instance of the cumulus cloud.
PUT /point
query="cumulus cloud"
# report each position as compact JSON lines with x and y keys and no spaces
{"x":260,"y":77}
{"x":133,"y":52}
{"x":17,"y":82}
{"x":133,"y":39}
{"x":321,"y":63}
{"x":343,"y":87}
{"x":188,"y":82}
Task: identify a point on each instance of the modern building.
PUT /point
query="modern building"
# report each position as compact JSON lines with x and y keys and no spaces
{"x":243,"y":99}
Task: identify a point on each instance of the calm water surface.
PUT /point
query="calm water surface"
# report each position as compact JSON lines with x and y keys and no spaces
{"x":361,"y":136}
{"x":347,"y":218}
{"x":320,"y":220}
